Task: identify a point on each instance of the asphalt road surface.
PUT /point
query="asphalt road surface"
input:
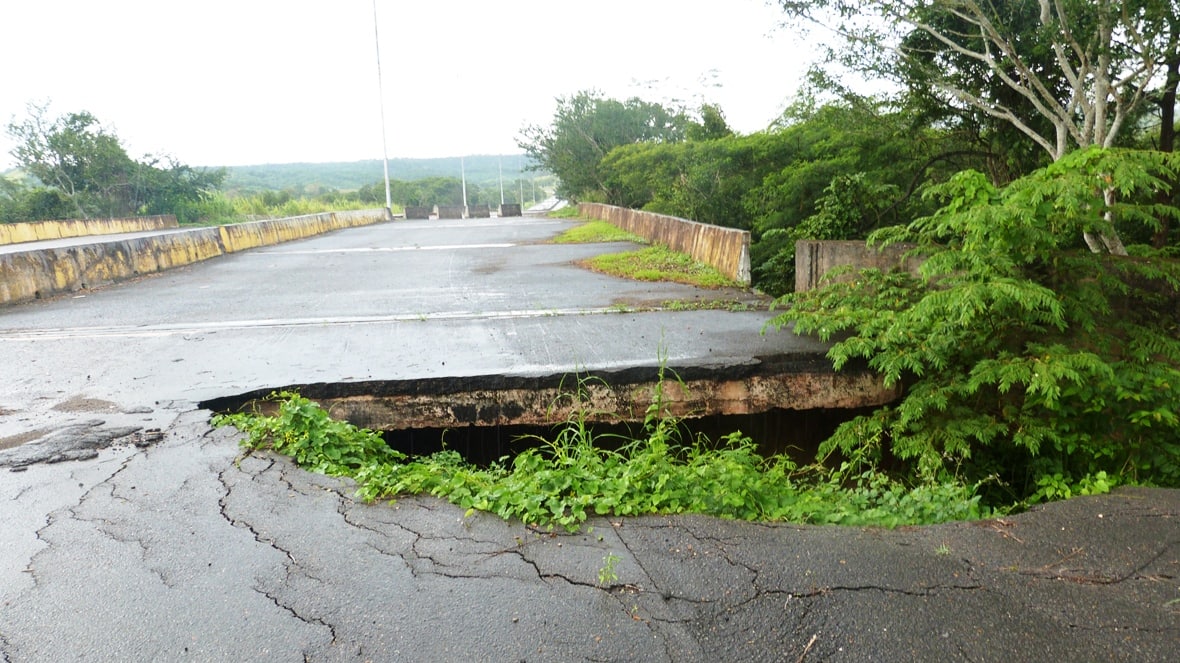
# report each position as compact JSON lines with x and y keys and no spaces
{"x":166,"y":545}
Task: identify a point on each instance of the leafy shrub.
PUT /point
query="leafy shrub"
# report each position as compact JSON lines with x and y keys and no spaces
{"x":304,"y":431}
{"x":1023,"y":355}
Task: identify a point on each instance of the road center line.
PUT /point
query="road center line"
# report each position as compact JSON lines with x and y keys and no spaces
{"x":390,"y":249}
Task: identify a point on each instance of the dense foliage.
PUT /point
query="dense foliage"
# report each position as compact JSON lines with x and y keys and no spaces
{"x":1062,"y":75}
{"x":1024,"y":355}
{"x":585,"y":128}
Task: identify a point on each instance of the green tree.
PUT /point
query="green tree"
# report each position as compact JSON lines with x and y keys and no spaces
{"x":162,"y":185}
{"x":19,"y":202}
{"x":1076,"y":72}
{"x":585,"y":128}
{"x":855,"y":165}
{"x":86,"y":165}
{"x":710,"y":126}
{"x":77,"y":156}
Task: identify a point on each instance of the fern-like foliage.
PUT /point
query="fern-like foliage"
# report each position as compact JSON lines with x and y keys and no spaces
{"x":1023,"y":354}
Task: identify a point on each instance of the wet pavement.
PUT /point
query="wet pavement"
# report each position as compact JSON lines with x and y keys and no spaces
{"x":145,"y":544}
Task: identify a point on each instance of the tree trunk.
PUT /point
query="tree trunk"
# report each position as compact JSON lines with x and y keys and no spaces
{"x":1168,"y":131}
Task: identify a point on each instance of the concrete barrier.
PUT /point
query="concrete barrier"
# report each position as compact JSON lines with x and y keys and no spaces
{"x":35,"y":231}
{"x":449,"y":211}
{"x":727,"y":249}
{"x":815,"y":258}
{"x":510,"y":209}
{"x":417,"y":212}
{"x":479,"y":212}
{"x":35,"y":274}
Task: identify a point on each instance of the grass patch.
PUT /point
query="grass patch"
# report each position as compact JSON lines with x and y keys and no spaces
{"x":712,"y":305}
{"x":567,"y":212}
{"x":659,"y":263}
{"x":593,"y":232}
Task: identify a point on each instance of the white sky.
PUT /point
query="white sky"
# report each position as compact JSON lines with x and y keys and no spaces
{"x":236,"y":82}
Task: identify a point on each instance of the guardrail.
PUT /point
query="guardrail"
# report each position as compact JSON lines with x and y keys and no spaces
{"x":42,"y":273}
{"x":36,"y":231}
{"x":727,"y":249}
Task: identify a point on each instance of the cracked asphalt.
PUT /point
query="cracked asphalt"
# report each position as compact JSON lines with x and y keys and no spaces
{"x":131,"y":530}
{"x":186,"y":550}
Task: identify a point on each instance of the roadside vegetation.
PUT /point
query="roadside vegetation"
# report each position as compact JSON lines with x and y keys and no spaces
{"x":659,"y":263}
{"x":653,"y":263}
{"x":573,"y":475}
{"x":592,"y":232}
{"x":1031,"y":365}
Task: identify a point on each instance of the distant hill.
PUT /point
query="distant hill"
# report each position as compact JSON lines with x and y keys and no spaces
{"x":347,"y":176}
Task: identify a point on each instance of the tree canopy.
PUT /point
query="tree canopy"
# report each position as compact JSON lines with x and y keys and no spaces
{"x":587,"y":126}
{"x":1065,"y":73}
{"x":83,"y":170}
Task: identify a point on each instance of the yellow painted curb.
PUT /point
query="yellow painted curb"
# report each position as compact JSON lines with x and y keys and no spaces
{"x":35,"y":231}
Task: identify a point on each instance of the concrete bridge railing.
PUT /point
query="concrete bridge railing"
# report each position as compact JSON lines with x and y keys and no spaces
{"x":727,"y":249}
{"x":38,"y":273}
{"x":815,"y":258}
{"x":35,"y":231}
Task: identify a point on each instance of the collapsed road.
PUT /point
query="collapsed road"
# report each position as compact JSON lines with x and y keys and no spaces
{"x":152,"y":538}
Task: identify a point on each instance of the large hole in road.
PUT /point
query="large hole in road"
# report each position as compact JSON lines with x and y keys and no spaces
{"x":786,"y":405}
{"x":795,"y":433}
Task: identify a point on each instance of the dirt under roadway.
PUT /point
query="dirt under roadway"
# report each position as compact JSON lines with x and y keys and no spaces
{"x":174,"y":551}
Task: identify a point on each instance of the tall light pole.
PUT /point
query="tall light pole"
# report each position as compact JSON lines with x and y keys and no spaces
{"x":463,"y":176}
{"x":381,"y":94}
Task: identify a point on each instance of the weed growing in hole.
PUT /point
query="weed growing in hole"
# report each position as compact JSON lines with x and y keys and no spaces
{"x":570,"y":478}
{"x":307,"y":433}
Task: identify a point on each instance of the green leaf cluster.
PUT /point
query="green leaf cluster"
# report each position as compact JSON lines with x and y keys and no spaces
{"x":1022,"y":354}
{"x":306,"y":432}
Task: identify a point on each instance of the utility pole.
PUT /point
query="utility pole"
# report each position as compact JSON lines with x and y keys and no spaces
{"x":463,"y":176}
{"x":381,"y":94}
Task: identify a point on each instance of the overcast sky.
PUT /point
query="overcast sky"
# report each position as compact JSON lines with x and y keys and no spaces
{"x":236,"y":82}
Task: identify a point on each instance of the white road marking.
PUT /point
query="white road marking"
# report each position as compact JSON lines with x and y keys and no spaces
{"x":388,"y":249}
{"x":142,"y":331}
